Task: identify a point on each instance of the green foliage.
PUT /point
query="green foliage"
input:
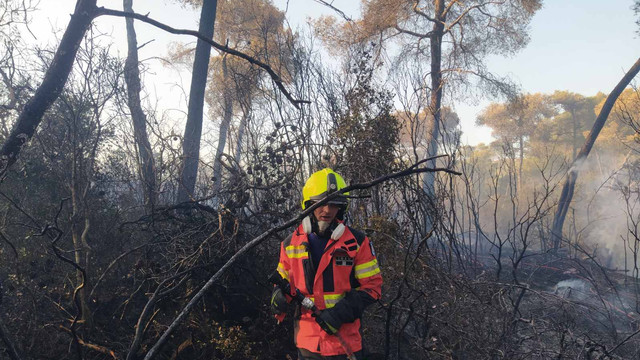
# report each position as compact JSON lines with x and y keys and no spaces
{"x":576,"y":116}
{"x":518,"y":119}
{"x":366,"y":130}
{"x":620,"y":125}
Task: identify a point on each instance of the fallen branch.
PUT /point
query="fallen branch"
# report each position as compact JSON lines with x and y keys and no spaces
{"x":146,"y":314}
{"x":94,"y":347}
{"x":414,"y":169}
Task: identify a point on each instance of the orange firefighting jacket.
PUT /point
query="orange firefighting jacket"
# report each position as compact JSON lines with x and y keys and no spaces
{"x":348,"y":271}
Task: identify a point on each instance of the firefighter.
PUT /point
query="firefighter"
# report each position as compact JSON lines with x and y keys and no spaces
{"x":335,"y":266}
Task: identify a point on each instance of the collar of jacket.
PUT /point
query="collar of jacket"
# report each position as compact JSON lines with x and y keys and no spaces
{"x":301,"y":238}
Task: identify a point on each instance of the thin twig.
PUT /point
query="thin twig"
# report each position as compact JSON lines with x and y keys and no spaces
{"x":330,"y":5}
{"x":608,"y":353}
{"x":274,"y":76}
{"x":112,"y":264}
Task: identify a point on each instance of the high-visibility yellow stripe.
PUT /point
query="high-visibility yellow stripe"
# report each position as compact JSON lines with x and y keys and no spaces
{"x":367,"y":269}
{"x":296,"y":252}
{"x":283,"y":272}
{"x":330,"y":300}
{"x":360,"y":267}
{"x":368,"y":273}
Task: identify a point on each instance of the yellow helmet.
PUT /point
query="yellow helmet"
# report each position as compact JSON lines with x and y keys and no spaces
{"x":322,"y":183}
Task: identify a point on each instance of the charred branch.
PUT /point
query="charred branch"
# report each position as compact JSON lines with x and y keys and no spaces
{"x":274,"y":76}
{"x":332,"y":7}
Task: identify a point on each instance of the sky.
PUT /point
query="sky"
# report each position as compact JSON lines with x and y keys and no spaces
{"x":583,"y":46}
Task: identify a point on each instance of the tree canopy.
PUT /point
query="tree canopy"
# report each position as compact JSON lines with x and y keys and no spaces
{"x":487,"y":251}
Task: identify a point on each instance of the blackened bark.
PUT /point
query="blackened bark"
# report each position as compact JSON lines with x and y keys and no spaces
{"x":241,"y":129}
{"x":52,"y":84}
{"x":193,"y":128}
{"x":572,"y":175}
{"x":224,"y":127}
{"x":435,"y":103}
{"x":138,"y":117}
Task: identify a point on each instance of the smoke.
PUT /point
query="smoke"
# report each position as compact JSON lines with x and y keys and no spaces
{"x":619,"y":303}
{"x":599,"y":218}
{"x":575,"y":289}
{"x":577,"y":166}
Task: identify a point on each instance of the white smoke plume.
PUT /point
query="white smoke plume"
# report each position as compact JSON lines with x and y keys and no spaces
{"x":599,"y":218}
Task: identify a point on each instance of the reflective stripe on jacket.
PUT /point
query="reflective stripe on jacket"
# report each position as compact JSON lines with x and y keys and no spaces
{"x":347,"y":264}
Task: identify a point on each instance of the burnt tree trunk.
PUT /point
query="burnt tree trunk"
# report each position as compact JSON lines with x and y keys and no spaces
{"x":193,"y":128}
{"x":146,"y":163}
{"x":51,"y":86}
{"x":224,"y":128}
{"x":241,"y":129}
{"x":435,"y":103}
{"x":572,"y":175}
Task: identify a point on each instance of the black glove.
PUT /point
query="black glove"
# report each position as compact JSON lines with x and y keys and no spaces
{"x":351,"y":307}
{"x":328,"y":322}
{"x":279,"y":303}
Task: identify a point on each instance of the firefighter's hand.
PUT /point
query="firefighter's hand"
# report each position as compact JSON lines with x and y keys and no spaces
{"x":328,"y":322}
{"x":279,"y":303}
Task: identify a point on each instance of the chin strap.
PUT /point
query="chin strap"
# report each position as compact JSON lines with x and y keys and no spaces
{"x":309,"y":225}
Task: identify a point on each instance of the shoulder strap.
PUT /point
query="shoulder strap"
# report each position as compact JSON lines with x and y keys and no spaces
{"x":359,"y":235}
{"x":287,"y":241}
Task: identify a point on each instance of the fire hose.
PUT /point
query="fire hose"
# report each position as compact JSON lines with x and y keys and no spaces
{"x":308,"y":304}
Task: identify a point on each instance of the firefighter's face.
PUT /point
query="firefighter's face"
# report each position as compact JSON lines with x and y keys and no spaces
{"x":326,"y":212}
